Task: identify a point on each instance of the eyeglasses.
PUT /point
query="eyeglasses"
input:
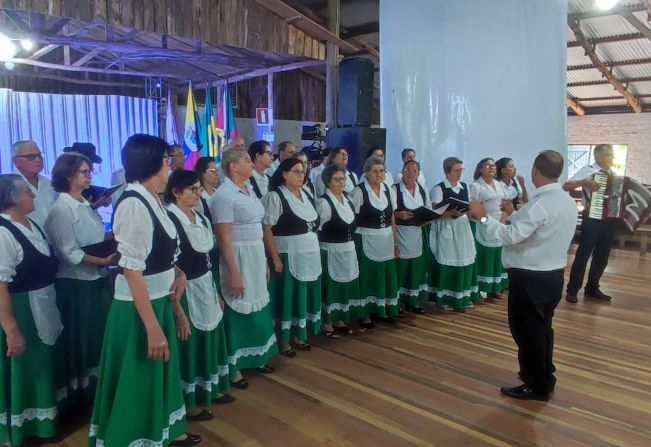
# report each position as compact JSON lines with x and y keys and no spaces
{"x":194,"y":189}
{"x":212,"y":170}
{"x":300,"y":172}
{"x":488,"y":165}
{"x":338,"y":179}
{"x":344,"y":154}
{"x":86,"y":172}
{"x":31,"y":157}
{"x":167,"y":160}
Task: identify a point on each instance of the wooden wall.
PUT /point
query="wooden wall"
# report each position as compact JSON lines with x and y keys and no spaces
{"x":240,"y":23}
{"x":297,"y":96}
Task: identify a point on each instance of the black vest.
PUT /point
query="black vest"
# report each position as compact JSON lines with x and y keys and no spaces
{"x":413,"y":222}
{"x":193,"y":263}
{"x":336,"y":230}
{"x":352,"y":178}
{"x":256,"y":188}
{"x":36,"y":270}
{"x":163,"y":248}
{"x":289,"y":224}
{"x":369,"y":216}
{"x":448,"y":192}
{"x":206,"y":210}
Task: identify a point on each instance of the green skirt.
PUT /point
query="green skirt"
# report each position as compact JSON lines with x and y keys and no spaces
{"x":336,"y":296}
{"x":378,"y":285}
{"x":412,"y":276}
{"x":454,"y":286}
{"x":84,"y":307}
{"x":491,"y":275}
{"x":250,"y":338}
{"x":27,"y":395}
{"x":296,"y":304}
{"x":138,"y":400}
{"x":204,"y":363}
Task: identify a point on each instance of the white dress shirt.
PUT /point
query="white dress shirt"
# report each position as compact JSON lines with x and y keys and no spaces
{"x":44,"y":198}
{"x":134,"y":232}
{"x":315,"y":174}
{"x":540,"y":232}
{"x":70,"y":226}
{"x":274,"y":165}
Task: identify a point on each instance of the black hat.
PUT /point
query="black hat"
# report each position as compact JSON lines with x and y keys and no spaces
{"x":87,"y":149}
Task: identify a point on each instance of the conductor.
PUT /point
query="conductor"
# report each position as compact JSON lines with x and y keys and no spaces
{"x":535,"y":255}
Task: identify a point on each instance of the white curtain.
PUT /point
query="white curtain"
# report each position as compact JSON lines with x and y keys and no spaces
{"x":57,"y":121}
{"x":473,"y":79}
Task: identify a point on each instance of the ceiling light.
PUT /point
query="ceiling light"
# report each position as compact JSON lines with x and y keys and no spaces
{"x":7,"y":48}
{"x":605,"y":5}
{"x":27,"y":44}
{"x":9,"y":65}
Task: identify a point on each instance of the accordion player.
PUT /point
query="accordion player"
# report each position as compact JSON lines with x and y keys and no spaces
{"x":620,"y":197}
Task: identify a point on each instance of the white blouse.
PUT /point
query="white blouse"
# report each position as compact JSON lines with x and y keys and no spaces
{"x":302,"y":250}
{"x":70,"y":226}
{"x":492,"y":197}
{"x":388,"y":179}
{"x":261,"y":180}
{"x":134,"y":232}
{"x":44,"y":198}
{"x":242,"y":209}
{"x":325,"y":212}
{"x":377,"y":243}
{"x":410,"y":238}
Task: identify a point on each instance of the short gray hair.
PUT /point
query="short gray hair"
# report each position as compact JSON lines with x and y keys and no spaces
{"x":232,"y":155}
{"x":17,"y":147}
{"x":11,"y":186}
{"x":330,"y":172}
{"x":372,"y":161}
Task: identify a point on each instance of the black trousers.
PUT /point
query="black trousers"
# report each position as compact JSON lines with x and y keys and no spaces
{"x":533,"y":296}
{"x":596,"y":240}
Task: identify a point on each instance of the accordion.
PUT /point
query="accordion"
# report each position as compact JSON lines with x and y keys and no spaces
{"x":621,"y":198}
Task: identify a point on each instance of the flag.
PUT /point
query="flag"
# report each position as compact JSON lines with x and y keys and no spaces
{"x":209,"y":138}
{"x":171,"y":135}
{"x":191,"y":139}
{"x":225,"y":119}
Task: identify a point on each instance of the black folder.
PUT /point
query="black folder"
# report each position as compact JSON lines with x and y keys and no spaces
{"x":454,"y":203}
{"x":424,"y":215}
{"x":95,"y":192}
{"x":101,"y":249}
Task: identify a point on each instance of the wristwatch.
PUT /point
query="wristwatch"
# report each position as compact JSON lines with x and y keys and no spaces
{"x":483,"y":220}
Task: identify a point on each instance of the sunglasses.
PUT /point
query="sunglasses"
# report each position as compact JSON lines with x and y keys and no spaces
{"x":31,"y":157}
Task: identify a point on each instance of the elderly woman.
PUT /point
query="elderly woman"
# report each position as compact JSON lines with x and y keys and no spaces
{"x":490,"y":273}
{"x":29,"y":318}
{"x":237,"y":221}
{"x":379,"y":152}
{"x":338,"y":157}
{"x":290,"y":225}
{"x":84,"y":291}
{"x":308,"y":186}
{"x":340,"y":278}
{"x":506,"y":173}
{"x":203,"y":356}
{"x":412,"y":264}
{"x":452,"y":278}
{"x":139,"y":399}
{"x":377,"y":250}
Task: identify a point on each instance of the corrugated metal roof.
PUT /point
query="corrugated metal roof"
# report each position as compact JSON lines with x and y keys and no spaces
{"x":642,"y":88}
{"x":624,"y":51}
{"x":633,"y":71}
{"x":576,"y":6}
{"x":359,"y":12}
{"x":584,"y":75}
{"x":604,"y":103}
{"x":592,"y":91}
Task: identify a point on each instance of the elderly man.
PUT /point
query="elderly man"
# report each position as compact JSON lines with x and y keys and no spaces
{"x":596,"y":234}
{"x":285,"y":150}
{"x":177,"y":156}
{"x":535,"y":255}
{"x":28,"y":160}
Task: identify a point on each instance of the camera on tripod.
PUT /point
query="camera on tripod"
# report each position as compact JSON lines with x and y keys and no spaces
{"x":317,"y":134}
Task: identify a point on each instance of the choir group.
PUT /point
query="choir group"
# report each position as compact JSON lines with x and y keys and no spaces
{"x":205,"y":278}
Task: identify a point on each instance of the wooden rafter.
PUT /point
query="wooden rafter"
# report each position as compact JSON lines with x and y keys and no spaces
{"x":605,"y":71}
{"x":359,"y":30}
{"x":307,"y":25}
{"x":608,"y":39}
{"x":610,"y":12}
{"x":611,"y":64}
{"x":637,"y":23}
{"x":624,"y":81}
{"x":573,"y":104}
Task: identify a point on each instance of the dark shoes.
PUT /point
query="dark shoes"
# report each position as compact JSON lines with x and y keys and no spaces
{"x":223,"y":399}
{"x":571,"y":298}
{"x":241,"y":384}
{"x":525,"y":393}
{"x":203,"y":415}
{"x":597,"y":295}
{"x":265,"y":369}
{"x":189,"y":440}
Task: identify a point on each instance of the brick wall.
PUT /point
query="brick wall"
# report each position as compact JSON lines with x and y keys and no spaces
{"x":632,"y":129}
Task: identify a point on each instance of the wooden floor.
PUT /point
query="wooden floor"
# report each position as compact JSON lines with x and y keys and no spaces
{"x":433,"y":380}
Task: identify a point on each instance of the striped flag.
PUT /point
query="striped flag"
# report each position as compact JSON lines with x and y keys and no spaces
{"x":191,"y":139}
{"x":210,"y":138}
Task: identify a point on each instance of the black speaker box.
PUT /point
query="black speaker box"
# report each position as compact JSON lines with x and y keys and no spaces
{"x":355,"y":95}
{"x":357,"y":140}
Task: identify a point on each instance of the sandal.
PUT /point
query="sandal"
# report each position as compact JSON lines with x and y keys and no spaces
{"x":241,"y":384}
{"x":189,"y":440}
{"x":203,"y":415}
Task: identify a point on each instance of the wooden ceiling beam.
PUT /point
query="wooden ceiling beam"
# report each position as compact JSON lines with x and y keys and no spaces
{"x":611,"y":12}
{"x":610,"y":64}
{"x":573,"y":104}
{"x":624,"y":81}
{"x":70,"y":80}
{"x":305,"y":24}
{"x":600,"y":40}
{"x":608,"y":98}
{"x":360,"y":30}
{"x":637,"y":23}
{"x":603,"y":68}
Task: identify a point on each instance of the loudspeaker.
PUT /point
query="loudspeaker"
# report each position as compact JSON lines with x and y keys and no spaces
{"x":355,"y":95}
{"x":357,"y":140}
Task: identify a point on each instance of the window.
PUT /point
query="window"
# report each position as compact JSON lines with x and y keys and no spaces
{"x":580,"y":155}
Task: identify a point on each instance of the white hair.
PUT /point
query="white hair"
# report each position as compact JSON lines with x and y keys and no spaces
{"x":18,"y":146}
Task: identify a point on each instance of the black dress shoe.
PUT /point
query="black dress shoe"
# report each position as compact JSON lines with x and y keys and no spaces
{"x":571,"y":298}
{"x":223,"y":399}
{"x":550,"y":386}
{"x":598,"y":295}
{"x":203,"y":415}
{"x":525,"y":393}
{"x":265,"y":369}
{"x":241,"y":384}
{"x":189,"y":440}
